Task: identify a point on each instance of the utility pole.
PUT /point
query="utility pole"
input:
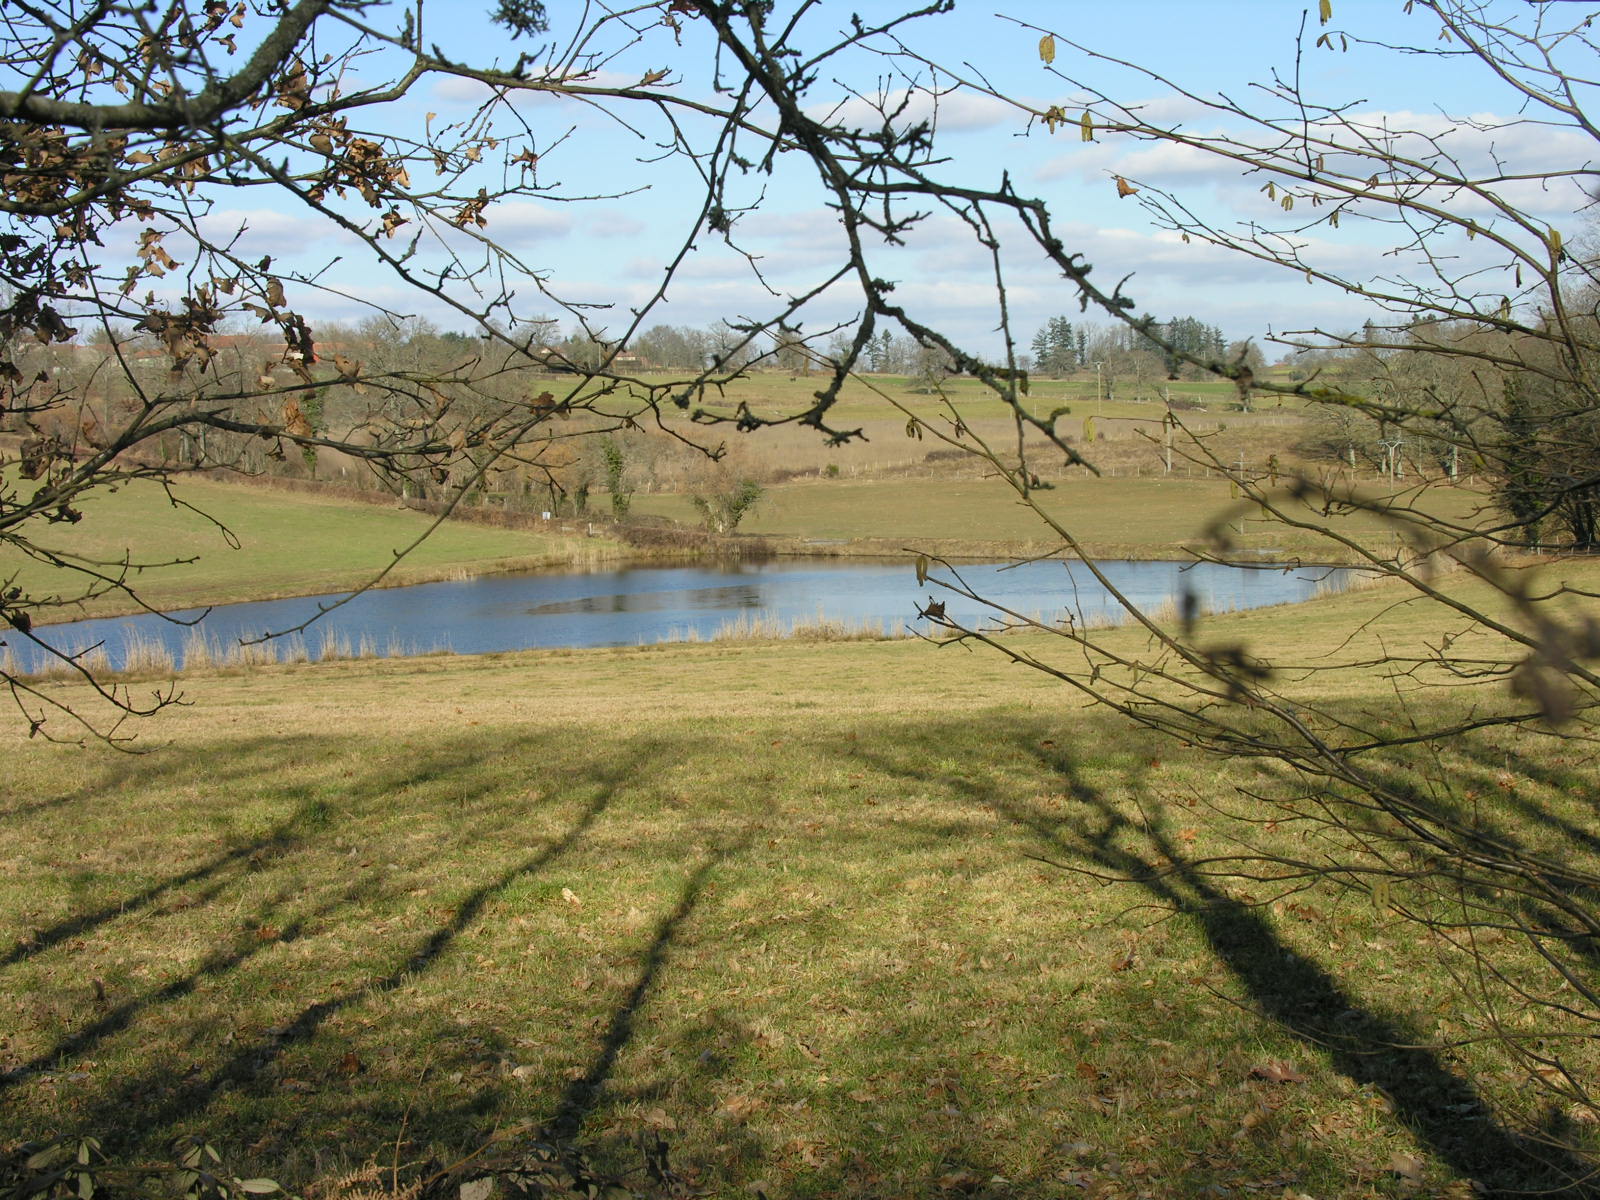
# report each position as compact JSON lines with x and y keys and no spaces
{"x":1391,"y":458}
{"x":1240,"y":478}
{"x":1098,"y":390}
{"x":1166,"y":430}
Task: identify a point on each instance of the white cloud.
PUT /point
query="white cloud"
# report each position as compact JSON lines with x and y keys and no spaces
{"x":1478,"y":146}
{"x":807,"y":229}
{"x":955,"y":111}
{"x":522,"y":222}
{"x":1160,"y":161}
{"x":268,"y":230}
{"x":453,"y":90}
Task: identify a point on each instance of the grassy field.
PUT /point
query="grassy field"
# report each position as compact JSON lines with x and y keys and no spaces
{"x":878,"y":407}
{"x":1124,"y":517}
{"x":772,"y":393}
{"x":785,"y":905}
{"x":228,"y":542}
{"x":891,"y":490}
{"x":821,"y":915}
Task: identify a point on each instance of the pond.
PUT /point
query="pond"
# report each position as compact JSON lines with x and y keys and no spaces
{"x":645,"y":604}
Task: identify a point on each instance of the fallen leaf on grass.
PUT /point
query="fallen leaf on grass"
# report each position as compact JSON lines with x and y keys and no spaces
{"x":809,"y":1152}
{"x":657,"y":1118}
{"x":960,"y":1181}
{"x":738,"y":1108}
{"x":1276,"y":1071}
{"x":1409,"y":1167}
{"x":1252,"y":1120}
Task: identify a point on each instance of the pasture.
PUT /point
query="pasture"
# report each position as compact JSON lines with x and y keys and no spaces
{"x":822,"y":916}
{"x":217,"y":542}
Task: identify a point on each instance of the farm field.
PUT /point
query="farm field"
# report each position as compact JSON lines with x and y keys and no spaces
{"x":224,"y":542}
{"x":812,"y":913}
{"x":862,"y":397}
{"x":889,"y":491}
{"x":1149,"y":517}
{"x":878,"y":407}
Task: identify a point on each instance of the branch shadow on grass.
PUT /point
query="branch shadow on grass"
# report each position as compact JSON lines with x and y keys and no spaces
{"x":1555,"y":904}
{"x":122,"y":1015}
{"x":169,"y":771}
{"x":163,"y":1096}
{"x":1443,"y":1110}
{"x":1302,"y":997}
{"x":581,"y":1095}
{"x":102,"y":788}
{"x":278,"y":840}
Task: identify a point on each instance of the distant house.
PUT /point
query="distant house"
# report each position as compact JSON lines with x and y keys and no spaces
{"x":551,"y":358}
{"x":556,"y":360}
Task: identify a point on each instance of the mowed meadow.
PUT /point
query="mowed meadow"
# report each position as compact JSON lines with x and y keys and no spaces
{"x":823,"y":917}
{"x":895,"y":487}
{"x":220,"y":542}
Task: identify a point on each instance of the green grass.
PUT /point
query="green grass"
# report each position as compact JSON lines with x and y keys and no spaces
{"x":1139,"y":517}
{"x":877,"y":408}
{"x":785,"y":903}
{"x":771,"y":393}
{"x":287,"y":544}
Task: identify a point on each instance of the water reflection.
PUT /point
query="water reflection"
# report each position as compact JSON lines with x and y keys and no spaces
{"x":727,"y":598}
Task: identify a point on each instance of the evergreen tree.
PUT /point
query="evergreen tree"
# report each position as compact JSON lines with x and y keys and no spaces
{"x":1055,"y":347}
{"x":1192,"y":336}
{"x":881,"y":353}
{"x":1041,"y":350}
{"x":1061,"y":347}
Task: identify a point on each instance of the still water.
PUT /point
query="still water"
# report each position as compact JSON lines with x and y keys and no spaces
{"x":634,"y":605}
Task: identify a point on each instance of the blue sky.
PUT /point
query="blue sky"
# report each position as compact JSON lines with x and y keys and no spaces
{"x":610,"y":246}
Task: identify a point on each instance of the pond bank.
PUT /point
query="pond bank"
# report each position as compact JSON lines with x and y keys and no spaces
{"x":630,"y":602}
{"x":611,"y":546}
